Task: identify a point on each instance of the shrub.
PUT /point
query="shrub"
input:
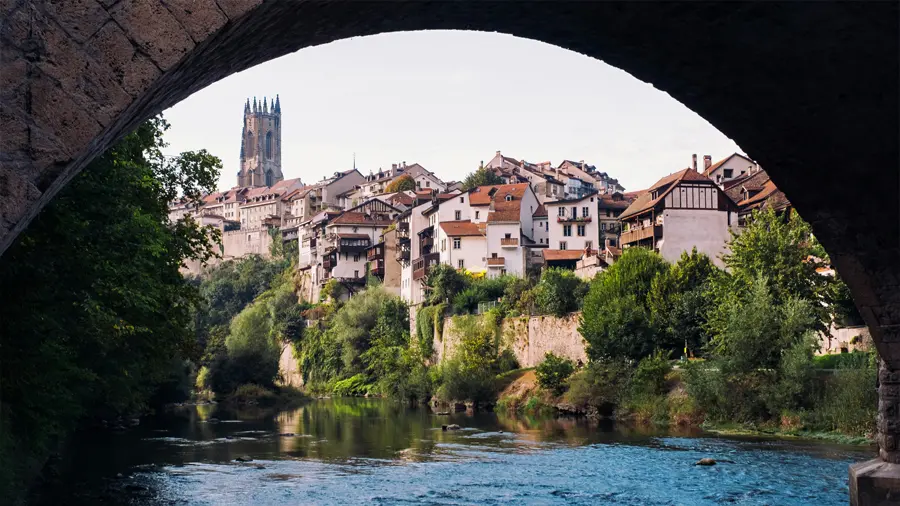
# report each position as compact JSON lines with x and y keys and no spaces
{"x":853,"y":360}
{"x":650,"y":375}
{"x":848,"y":401}
{"x":252,"y":394}
{"x":354,"y":386}
{"x":553,"y":372}
{"x":507,"y":361}
{"x":601,"y":384}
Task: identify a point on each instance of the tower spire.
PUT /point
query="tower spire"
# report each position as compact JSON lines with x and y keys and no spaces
{"x":277,"y":104}
{"x":265,"y":106}
{"x":254,"y":104}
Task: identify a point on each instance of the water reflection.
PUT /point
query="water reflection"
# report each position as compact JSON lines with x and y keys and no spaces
{"x":345,"y":450}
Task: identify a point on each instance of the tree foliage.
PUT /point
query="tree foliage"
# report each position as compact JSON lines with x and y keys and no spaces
{"x":401,"y":184}
{"x":481,"y":177}
{"x":94,"y":310}
{"x":559,"y":292}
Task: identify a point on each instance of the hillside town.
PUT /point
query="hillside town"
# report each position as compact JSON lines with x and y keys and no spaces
{"x":396,"y":224}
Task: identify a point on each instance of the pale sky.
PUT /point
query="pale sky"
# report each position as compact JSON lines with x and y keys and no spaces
{"x":448,"y":100}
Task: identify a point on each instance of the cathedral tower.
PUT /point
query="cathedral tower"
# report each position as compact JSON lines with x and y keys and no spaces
{"x":261,"y":144}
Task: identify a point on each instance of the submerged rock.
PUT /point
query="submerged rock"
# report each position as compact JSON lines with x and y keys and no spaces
{"x":452,"y":426}
{"x":705,"y":462}
{"x":442,"y":413}
{"x":244,"y":458}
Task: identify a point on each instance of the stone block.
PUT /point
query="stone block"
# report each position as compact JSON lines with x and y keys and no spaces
{"x":15,"y":70}
{"x":201,"y":18}
{"x":58,"y":116}
{"x":135,"y":71}
{"x":155,"y":30}
{"x":79,"y":18}
{"x":874,"y":483}
{"x":237,"y":8}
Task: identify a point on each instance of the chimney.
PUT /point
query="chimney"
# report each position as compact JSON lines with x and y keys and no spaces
{"x":404,"y":164}
{"x":394,"y":166}
{"x":707,"y":161}
{"x":582,"y":164}
{"x":694,"y":161}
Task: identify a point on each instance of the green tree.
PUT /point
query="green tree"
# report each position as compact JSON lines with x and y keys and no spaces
{"x":444,"y":283}
{"x":481,"y":177}
{"x":559,"y":292}
{"x":401,"y":184}
{"x":679,"y":299}
{"x":553,"y":372}
{"x":94,"y":311}
{"x":616,"y":320}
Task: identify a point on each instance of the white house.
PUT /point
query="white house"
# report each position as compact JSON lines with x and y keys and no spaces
{"x":728,"y":168}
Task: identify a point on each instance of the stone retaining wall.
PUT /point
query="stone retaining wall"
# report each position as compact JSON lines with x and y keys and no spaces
{"x":530,"y":338}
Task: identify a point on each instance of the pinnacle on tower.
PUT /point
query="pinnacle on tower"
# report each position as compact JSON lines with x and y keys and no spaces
{"x":247,"y":106}
{"x":254,"y":104}
{"x":277,"y":104}
{"x":265,"y":106}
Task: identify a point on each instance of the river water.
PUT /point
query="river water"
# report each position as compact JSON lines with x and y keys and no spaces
{"x":371,"y":451}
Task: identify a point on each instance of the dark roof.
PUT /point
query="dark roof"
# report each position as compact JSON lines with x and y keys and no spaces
{"x":555,"y":255}
{"x":646,"y":201}
{"x":541,"y":211}
{"x":357,"y":218}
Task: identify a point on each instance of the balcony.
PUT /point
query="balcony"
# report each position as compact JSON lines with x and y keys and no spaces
{"x":427,"y":242}
{"x":573,"y":219}
{"x":423,"y":264}
{"x":355,"y":245}
{"x":361,"y":280}
{"x":312,"y":242}
{"x":642,"y":233}
{"x":509,"y":242}
{"x":403,"y":227}
{"x":403,"y":255}
{"x":496,"y":262}
{"x":328,"y":264}
{"x":375,"y":253}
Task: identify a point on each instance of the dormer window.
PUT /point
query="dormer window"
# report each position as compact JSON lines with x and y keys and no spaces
{"x":509,"y":198}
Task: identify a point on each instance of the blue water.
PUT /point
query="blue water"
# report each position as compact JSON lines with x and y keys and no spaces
{"x":373,"y":452}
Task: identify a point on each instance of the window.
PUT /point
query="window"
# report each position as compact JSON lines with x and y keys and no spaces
{"x":588,"y":244}
{"x":355,"y":229}
{"x":562,"y":245}
{"x":567,"y":230}
{"x":355,"y":274}
{"x":508,"y":236}
{"x":580,"y":230}
{"x":503,"y":272}
{"x":460,"y":264}
{"x":509,"y":198}
{"x":428,"y":184}
{"x":248,"y":237}
{"x":457,"y":215}
{"x":728,"y":173}
{"x":457,"y":243}
{"x":476,"y":214}
{"x":443,"y":244}
{"x":462,"y":200}
{"x":603,"y":227}
{"x":574,"y":211}
{"x":562,"y":212}
{"x":356,"y":257}
{"x":584,"y":212}
{"x":592,"y":199}
{"x":493,"y":255}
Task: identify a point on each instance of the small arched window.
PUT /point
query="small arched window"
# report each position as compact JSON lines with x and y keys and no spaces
{"x":269,"y":178}
{"x":509,"y":197}
{"x":269,"y":145}
{"x":250,"y":146}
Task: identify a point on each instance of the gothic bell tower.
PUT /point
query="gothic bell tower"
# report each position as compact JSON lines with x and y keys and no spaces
{"x":261,"y":144}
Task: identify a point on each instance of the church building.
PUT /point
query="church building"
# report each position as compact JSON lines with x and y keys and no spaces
{"x":261,"y":144}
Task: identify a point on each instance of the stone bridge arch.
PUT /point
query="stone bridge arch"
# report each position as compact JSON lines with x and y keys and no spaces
{"x":808,"y":89}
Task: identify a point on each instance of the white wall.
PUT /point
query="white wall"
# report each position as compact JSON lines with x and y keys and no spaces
{"x":447,"y":209}
{"x":736,"y":164}
{"x":539,"y":230}
{"x":575,"y":241}
{"x":515,"y":257}
{"x":684,"y":229}
{"x":471,"y":251}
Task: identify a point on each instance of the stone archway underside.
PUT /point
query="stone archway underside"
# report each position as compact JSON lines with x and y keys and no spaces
{"x":808,"y":89}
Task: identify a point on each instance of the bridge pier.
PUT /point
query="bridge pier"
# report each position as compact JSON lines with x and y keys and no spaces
{"x":877,"y":481}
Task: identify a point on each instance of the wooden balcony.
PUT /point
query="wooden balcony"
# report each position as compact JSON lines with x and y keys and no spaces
{"x":353,"y":245}
{"x":427,"y":242}
{"x":375,"y":253}
{"x":403,"y":254}
{"x":640,"y":234}
{"x":509,"y":242}
{"x":328,"y":264}
{"x":496,"y":262}
{"x":361,"y":280}
{"x":424,"y":263}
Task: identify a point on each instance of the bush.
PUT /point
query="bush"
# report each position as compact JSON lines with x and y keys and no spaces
{"x":227,"y":373}
{"x":853,"y":360}
{"x":553,"y":372}
{"x":251,"y":394}
{"x":650,"y":375}
{"x":468,"y":375}
{"x":354,"y":386}
{"x":848,"y":403}
{"x":601,"y":384}
{"x":507,"y":361}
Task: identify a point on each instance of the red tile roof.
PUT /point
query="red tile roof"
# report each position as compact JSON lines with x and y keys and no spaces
{"x":541,"y":211}
{"x":481,"y":196}
{"x":462,"y":229}
{"x":357,"y":218}
{"x":552,"y":255}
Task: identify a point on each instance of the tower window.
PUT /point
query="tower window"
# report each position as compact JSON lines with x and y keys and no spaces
{"x":269,"y":145}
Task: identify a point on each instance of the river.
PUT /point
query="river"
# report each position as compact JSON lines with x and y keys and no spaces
{"x":371,"y":451}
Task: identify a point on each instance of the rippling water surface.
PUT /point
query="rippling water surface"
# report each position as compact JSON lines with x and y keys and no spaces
{"x":367,"y":451}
